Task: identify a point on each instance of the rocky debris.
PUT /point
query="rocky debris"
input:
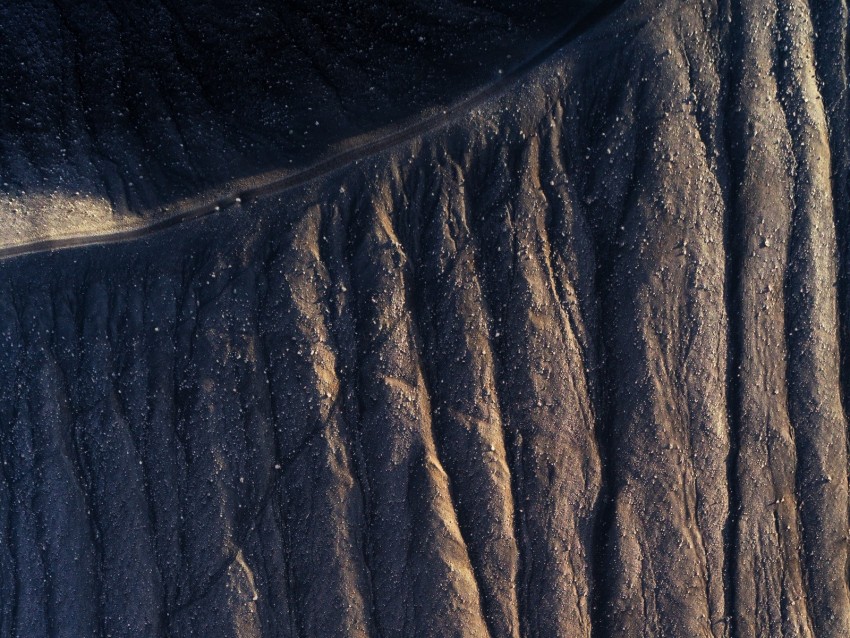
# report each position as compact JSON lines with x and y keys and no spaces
{"x":568,"y":366}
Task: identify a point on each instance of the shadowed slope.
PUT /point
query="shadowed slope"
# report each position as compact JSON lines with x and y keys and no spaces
{"x":568,"y":366}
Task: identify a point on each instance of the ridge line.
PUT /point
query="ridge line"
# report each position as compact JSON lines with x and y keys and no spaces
{"x":237,"y":192}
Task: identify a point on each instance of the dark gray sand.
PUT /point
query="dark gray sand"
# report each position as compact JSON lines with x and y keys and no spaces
{"x":570,"y":362}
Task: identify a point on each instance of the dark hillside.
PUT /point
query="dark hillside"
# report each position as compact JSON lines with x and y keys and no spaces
{"x":571,"y":363}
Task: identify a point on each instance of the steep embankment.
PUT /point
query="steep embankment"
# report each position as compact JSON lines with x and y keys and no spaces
{"x":568,"y":367}
{"x":118,"y":114}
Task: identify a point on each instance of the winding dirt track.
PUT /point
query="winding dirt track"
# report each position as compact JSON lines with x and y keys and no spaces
{"x":275,"y":183}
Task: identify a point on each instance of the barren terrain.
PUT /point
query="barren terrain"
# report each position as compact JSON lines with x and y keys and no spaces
{"x":567,"y":360}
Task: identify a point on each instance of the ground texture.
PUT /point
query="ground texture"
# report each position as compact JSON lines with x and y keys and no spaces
{"x":571,"y":363}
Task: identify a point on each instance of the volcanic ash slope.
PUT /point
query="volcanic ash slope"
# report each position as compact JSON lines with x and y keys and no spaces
{"x":570,"y":365}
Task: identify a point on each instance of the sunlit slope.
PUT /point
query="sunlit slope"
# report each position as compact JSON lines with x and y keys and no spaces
{"x":570,"y":365}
